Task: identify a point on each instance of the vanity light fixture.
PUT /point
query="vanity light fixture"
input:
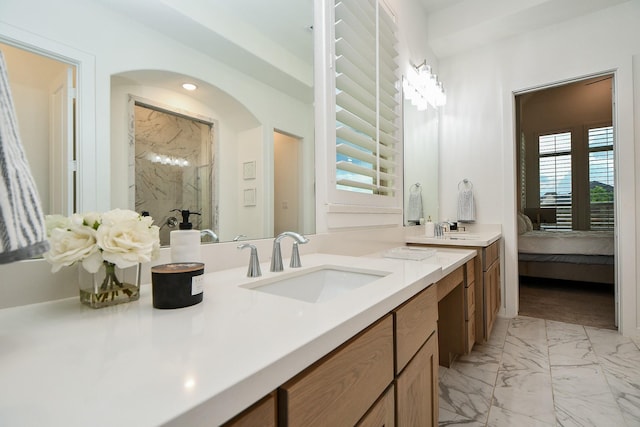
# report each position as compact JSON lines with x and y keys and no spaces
{"x":422,"y":87}
{"x":189,"y":86}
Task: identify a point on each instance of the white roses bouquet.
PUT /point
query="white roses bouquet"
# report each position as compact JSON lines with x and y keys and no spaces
{"x":118,"y":237}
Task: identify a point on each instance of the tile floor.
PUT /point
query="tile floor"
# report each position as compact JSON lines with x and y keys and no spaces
{"x":535,"y":372}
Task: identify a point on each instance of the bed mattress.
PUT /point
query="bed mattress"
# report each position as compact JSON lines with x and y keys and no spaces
{"x":574,"y":242}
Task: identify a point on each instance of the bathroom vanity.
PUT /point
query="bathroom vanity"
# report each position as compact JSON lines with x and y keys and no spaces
{"x":357,"y":355}
{"x":484,"y":273}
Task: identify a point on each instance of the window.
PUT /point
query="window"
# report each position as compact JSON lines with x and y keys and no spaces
{"x":601,"y":178}
{"x":555,"y":178}
{"x":366,"y":84}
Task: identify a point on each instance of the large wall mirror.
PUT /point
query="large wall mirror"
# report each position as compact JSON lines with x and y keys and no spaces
{"x":420,"y":134}
{"x":252,"y":63}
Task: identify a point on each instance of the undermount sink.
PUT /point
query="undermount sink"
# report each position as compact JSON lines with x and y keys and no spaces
{"x":318,"y":284}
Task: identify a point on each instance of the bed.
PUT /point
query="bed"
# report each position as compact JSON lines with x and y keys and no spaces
{"x":586,"y":256}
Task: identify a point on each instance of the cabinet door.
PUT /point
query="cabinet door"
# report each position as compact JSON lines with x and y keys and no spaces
{"x":261,"y":414}
{"x":415,"y":322}
{"x":382,"y":414}
{"x":417,"y":388}
{"x":492,"y":295}
{"x":342,"y":387}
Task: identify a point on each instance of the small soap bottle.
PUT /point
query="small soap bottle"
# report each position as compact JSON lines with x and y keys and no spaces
{"x":185,"y":242}
{"x":429,"y":228}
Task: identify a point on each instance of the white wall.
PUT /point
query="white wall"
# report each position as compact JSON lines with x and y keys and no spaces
{"x":478,"y":127}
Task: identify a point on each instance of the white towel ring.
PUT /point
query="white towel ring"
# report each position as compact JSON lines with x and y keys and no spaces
{"x":466,"y":183}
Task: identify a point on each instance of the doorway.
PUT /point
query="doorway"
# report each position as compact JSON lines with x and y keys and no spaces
{"x":43,"y":90}
{"x":173,"y":168}
{"x":286,"y":183}
{"x":566,"y":206}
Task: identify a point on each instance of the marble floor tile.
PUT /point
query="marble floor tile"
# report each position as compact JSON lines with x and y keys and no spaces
{"x":538,"y":373}
{"x":626,"y":393}
{"x":520,"y":354}
{"x":526,"y":393}
{"x":582,"y":397}
{"x":481,"y":364}
{"x":503,"y":417}
{"x":467,"y":397}
{"x":451,"y":419}
{"x":569,"y":345}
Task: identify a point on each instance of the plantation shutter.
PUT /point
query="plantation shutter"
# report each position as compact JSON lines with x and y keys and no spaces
{"x":366,"y":98}
{"x":555,"y":178}
{"x":601,"y":178}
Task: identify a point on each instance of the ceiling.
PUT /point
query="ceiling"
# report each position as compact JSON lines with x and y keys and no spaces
{"x":455,"y":26}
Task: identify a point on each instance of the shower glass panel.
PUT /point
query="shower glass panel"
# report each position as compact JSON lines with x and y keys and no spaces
{"x":174,"y":168}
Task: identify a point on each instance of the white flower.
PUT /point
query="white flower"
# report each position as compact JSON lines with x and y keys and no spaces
{"x":70,"y":245}
{"x":56,"y":221}
{"x":126,"y":238}
{"x":121,"y":237}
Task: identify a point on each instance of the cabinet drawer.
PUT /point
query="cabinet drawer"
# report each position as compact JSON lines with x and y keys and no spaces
{"x":383,"y":413}
{"x":450,"y":281}
{"x":470,"y":274}
{"x":339,"y":389}
{"x":263,"y":414}
{"x":415,"y":322}
{"x":490,"y":254}
{"x":470,"y":301}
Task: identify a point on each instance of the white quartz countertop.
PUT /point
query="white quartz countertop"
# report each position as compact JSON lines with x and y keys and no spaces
{"x":480,"y":238}
{"x":64,"y":364}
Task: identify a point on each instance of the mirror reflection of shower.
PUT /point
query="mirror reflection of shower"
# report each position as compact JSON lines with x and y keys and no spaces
{"x":174,"y":167}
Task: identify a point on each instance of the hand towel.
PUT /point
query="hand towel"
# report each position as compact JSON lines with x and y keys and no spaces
{"x":414,"y":210}
{"x":22,"y":230}
{"x":466,"y":209}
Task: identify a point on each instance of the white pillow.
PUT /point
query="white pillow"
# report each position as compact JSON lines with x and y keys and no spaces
{"x":522,"y":224}
{"x":529,"y":225}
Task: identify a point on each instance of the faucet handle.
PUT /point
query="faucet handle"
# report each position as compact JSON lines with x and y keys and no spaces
{"x":254,"y":263}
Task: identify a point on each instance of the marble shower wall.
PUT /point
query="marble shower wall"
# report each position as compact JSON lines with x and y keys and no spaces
{"x":173,"y":168}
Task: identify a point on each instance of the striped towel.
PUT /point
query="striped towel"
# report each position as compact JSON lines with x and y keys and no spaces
{"x":22,"y":231}
{"x":466,"y":209}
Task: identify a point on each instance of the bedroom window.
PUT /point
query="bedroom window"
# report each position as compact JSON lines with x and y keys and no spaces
{"x":555,"y":178}
{"x":601,"y":178}
{"x":367,"y":106}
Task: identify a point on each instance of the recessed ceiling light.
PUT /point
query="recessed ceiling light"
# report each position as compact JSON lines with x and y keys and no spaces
{"x":189,"y":86}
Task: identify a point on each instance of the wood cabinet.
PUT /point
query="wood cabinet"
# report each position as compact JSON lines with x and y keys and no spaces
{"x":417,"y":388}
{"x":491,"y":296}
{"x":383,"y":413}
{"x":470,"y":305}
{"x":359,"y":384}
{"x":416,"y":320}
{"x":486,"y":288}
{"x":417,"y":360}
{"x":385,"y":376}
{"x":263,"y":414}
{"x":340,"y":389}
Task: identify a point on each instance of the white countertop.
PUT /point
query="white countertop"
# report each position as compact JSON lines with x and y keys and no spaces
{"x":63,"y":364}
{"x":479,"y":238}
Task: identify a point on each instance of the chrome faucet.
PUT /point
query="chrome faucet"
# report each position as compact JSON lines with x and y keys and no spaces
{"x":238,"y":237}
{"x":440,"y":228}
{"x":276,"y":256}
{"x":254,"y":263}
{"x":210,"y":233}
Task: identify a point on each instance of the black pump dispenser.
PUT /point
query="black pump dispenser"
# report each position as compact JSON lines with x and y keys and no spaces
{"x":185,"y":224}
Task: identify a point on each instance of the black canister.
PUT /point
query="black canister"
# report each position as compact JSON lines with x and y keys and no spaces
{"x":177,"y":285}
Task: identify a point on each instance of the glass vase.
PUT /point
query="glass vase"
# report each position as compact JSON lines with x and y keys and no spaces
{"x":110,"y":285}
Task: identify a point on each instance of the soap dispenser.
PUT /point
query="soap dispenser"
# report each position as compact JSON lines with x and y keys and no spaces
{"x":429,"y":228}
{"x":185,"y":242}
